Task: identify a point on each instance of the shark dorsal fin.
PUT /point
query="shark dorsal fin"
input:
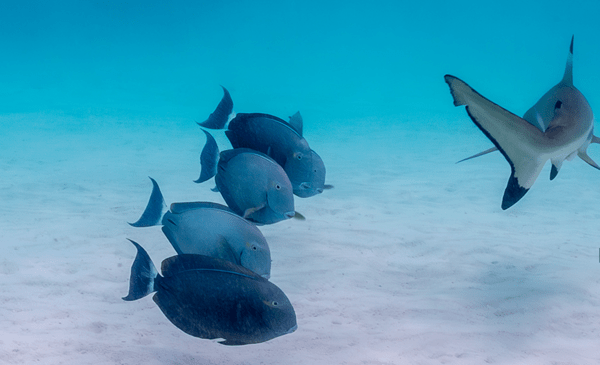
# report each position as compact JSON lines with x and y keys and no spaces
{"x":568,"y":77}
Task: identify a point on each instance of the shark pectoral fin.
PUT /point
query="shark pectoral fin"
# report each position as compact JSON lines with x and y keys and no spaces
{"x":584,"y":156}
{"x":253,"y":210}
{"x":489,"y":150}
{"x":556,"y":165}
{"x":209,"y":158}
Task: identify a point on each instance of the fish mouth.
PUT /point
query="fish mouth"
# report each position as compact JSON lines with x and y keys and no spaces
{"x":290,"y":214}
{"x":266,"y":276}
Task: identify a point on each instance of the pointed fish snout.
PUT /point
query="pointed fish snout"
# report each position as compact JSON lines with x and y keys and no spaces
{"x":292,"y":329}
{"x":290,"y":214}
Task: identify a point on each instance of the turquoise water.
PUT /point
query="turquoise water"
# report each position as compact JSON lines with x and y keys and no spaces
{"x":409,"y":259}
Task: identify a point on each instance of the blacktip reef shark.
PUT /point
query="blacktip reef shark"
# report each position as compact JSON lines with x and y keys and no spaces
{"x":558,"y":127}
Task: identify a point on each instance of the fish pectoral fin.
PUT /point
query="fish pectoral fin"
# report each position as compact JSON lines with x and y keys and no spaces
{"x":489,"y":150}
{"x":584,"y":156}
{"x":327,"y":187}
{"x":248,"y":212}
{"x":226,"y":251}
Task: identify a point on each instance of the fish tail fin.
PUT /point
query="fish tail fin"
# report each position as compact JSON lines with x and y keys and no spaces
{"x":143,"y":275}
{"x":220,"y":117}
{"x":209,"y":158}
{"x":155,"y":209}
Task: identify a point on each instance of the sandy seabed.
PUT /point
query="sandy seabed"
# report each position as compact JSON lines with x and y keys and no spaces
{"x":409,"y":260}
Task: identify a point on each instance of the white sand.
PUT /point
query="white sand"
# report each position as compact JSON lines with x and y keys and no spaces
{"x":409,"y":260}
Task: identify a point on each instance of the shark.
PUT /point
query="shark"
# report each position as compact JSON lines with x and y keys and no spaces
{"x":558,"y":127}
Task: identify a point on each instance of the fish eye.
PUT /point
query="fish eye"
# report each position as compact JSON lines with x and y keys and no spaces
{"x":274,"y":303}
{"x":277,"y":186}
{"x":558,"y":104}
{"x":299,"y":156}
{"x":254,"y":248}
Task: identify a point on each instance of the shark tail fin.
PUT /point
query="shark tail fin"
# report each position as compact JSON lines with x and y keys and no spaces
{"x":155,"y":209}
{"x":209,"y":158}
{"x":143,"y":275}
{"x":514,"y":137}
{"x":220,"y":117}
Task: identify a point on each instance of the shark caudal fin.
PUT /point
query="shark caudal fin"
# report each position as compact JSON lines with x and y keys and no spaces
{"x":155,"y":209}
{"x":516,"y":138}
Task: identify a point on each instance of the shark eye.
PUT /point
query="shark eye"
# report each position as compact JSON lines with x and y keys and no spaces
{"x":558,"y":105}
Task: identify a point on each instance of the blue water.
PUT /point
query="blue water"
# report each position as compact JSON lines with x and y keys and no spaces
{"x":97,"y":95}
{"x":342,"y":59}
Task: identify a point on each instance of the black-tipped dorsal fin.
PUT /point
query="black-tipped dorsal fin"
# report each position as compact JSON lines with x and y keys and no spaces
{"x":155,"y":208}
{"x":568,"y":76}
{"x":218,"y":118}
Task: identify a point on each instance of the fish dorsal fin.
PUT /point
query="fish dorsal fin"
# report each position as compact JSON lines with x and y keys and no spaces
{"x":209,"y":158}
{"x":178,"y":208}
{"x":296,"y":122}
{"x":188,"y":262}
{"x":247,"y":116}
{"x":568,"y":76}
{"x":155,"y":208}
{"x":218,"y":118}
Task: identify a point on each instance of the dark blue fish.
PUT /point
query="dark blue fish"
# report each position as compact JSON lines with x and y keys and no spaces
{"x":219,"y":117}
{"x":213,"y":299}
{"x":208,"y":229}
{"x":284,"y":143}
{"x":254,"y":186}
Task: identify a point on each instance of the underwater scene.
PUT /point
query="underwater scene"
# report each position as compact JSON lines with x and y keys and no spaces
{"x":276,"y":182}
